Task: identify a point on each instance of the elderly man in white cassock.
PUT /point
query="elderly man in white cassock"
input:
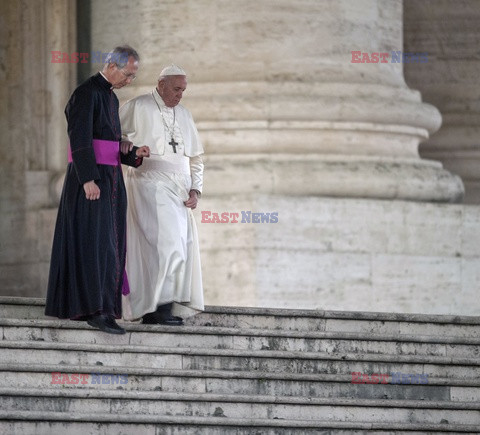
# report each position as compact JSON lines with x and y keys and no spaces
{"x":163,"y":259}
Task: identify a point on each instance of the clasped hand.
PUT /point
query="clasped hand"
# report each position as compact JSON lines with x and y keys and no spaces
{"x":126,"y":146}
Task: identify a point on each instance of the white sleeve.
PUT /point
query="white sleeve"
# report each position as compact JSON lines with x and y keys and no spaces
{"x":196,"y":170}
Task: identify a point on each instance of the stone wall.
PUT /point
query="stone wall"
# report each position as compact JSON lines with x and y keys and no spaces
{"x":344,"y":254}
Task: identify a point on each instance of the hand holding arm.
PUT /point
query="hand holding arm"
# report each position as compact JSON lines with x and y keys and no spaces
{"x":126,"y":146}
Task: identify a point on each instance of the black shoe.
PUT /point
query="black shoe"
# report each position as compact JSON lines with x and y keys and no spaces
{"x":105,"y":324}
{"x":114,"y":325}
{"x":172,"y":321}
{"x":156,"y":318}
{"x":151,"y":318}
{"x":166,"y":318}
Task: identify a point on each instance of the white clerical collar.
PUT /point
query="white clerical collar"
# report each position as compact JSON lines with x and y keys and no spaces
{"x":103,"y":75}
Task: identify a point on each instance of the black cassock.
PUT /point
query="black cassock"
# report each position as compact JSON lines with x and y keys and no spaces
{"x":88,"y":253}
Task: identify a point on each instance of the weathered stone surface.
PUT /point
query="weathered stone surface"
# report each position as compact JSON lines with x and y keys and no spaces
{"x":328,"y":253}
{"x":294,"y":94}
{"x":275,"y":377}
{"x":33,"y":91}
{"x":449,"y":33}
{"x":288,"y":122}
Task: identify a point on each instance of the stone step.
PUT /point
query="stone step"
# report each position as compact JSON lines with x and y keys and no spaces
{"x":233,"y":382}
{"x":237,"y":360}
{"x":239,"y":370}
{"x":52,"y":423}
{"x":233,"y":338}
{"x":81,"y":401}
{"x":296,"y":320}
{"x":345,"y":321}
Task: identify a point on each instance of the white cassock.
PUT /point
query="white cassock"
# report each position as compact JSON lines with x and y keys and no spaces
{"x":163,"y":257}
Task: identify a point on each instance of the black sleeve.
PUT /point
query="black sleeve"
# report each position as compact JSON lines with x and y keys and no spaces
{"x":131,"y":159}
{"x":79,"y":113}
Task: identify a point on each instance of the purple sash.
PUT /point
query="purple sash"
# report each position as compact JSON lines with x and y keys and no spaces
{"x":106,"y":152}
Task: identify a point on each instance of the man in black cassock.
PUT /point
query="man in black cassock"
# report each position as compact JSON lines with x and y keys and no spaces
{"x":87,"y":269}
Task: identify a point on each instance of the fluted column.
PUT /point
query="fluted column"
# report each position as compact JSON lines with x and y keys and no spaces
{"x":281,"y":107}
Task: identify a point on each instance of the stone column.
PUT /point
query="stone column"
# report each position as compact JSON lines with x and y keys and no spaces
{"x":292,"y":126}
{"x":33,"y":93}
{"x":282,"y":108}
{"x":449,"y":32}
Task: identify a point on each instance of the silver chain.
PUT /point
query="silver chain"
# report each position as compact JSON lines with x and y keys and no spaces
{"x":172,"y":129}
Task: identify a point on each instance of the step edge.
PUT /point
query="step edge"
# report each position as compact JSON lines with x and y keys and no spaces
{"x":80,"y":393}
{"x":137,"y":349}
{"x":247,"y":332}
{"x":288,"y":312}
{"x":226,"y":421}
{"x":217,"y":374}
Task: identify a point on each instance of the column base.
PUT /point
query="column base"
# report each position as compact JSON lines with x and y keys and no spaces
{"x":332,"y":175}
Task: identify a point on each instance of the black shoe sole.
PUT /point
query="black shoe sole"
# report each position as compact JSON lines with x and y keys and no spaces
{"x":107,"y":329}
{"x":162,"y":322}
{"x":172,"y":322}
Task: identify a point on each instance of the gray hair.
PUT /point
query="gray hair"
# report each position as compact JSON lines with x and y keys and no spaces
{"x":119,"y":56}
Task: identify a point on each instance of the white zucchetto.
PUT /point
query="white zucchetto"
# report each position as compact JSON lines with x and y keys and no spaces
{"x":172,"y":70}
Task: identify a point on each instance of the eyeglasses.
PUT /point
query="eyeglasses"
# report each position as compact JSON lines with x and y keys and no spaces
{"x":130,"y":76}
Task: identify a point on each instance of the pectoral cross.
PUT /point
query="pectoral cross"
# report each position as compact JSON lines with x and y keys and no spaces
{"x":173,"y":144}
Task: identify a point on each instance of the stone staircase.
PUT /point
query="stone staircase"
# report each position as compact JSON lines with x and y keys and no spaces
{"x":238,"y":371}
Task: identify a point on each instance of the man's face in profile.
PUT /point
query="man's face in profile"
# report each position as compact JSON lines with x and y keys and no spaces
{"x":171,"y":89}
{"x":121,"y":77}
